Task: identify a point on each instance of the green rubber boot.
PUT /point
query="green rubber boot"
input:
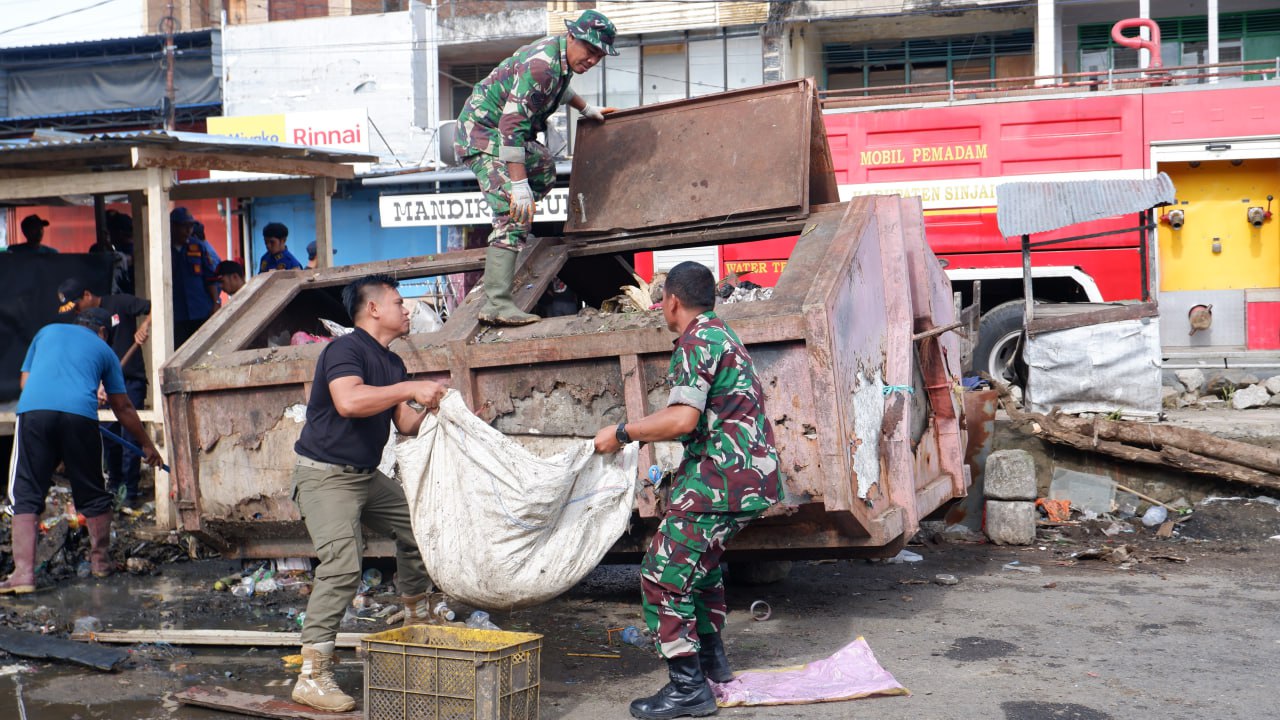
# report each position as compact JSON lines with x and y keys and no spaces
{"x":499,"y":308}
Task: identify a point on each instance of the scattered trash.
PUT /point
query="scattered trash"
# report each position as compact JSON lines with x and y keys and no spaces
{"x":945,"y":579}
{"x":140,"y":566}
{"x":480,"y":621}
{"x":1115,"y":528}
{"x":606,"y":656}
{"x":1115,"y":555}
{"x":87,"y":624}
{"x":905,"y":556}
{"x":335,"y":329}
{"x":1087,"y":492}
{"x":1055,"y":510}
{"x":760,"y":611}
{"x":1155,"y":515}
{"x":1017,"y":566}
{"x":1166,"y":529}
{"x":852,"y":672}
{"x":633,"y":635}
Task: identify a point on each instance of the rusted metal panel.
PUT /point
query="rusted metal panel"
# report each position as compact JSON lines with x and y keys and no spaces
{"x":859,"y":467}
{"x":1091,"y":314}
{"x":733,"y":156}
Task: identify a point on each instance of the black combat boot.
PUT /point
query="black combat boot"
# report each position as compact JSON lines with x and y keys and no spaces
{"x":711,"y":657}
{"x":687,"y":695}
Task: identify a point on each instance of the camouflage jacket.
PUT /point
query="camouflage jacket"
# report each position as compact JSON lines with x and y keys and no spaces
{"x":510,"y":107}
{"x":729,"y":463}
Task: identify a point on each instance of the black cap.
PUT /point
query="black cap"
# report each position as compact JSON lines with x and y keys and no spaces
{"x":71,"y":290}
{"x":182,"y":216}
{"x":34,"y":221}
{"x":96,"y":319}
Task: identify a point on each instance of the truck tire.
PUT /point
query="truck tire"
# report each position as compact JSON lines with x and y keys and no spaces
{"x":759,"y":572}
{"x":999,"y":340}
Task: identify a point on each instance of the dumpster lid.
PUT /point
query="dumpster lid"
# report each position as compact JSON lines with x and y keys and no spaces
{"x":1023,"y":208}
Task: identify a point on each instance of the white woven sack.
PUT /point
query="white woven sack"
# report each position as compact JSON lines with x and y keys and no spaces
{"x":501,"y":528}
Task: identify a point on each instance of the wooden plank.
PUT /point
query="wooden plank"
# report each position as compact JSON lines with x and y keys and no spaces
{"x":322,"y":198}
{"x":241,"y":189}
{"x":721,"y":233}
{"x":45,"y":647}
{"x":204,"y":636}
{"x":1136,"y":311}
{"x":160,"y":288}
{"x":267,"y":706}
{"x":72,"y":184}
{"x":146,"y":157}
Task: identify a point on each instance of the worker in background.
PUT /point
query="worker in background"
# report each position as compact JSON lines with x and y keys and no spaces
{"x":312,"y":263}
{"x":360,"y":387}
{"x":195,"y":282}
{"x":120,"y":232}
{"x":277,"y":256}
{"x":231,"y":274}
{"x":58,"y":423}
{"x":33,"y":230}
{"x":497,"y":140}
{"x":132,"y":326}
{"x":727,"y":477}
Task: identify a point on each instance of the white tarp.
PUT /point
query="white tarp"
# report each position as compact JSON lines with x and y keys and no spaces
{"x":1100,"y":368}
{"x":501,"y":528}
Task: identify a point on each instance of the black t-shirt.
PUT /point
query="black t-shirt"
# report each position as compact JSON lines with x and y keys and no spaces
{"x":128,"y":308}
{"x":332,"y":438}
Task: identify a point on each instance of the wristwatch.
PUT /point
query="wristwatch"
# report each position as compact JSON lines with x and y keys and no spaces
{"x":621,"y":434}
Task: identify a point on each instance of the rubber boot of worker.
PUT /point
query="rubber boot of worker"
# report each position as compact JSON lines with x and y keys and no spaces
{"x":316,"y":686}
{"x":499,"y":308}
{"x":99,"y":528}
{"x":687,"y":695}
{"x":23,"y":578}
{"x":711,"y":658}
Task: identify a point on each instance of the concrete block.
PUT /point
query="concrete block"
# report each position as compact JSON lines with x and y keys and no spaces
{"x":1010,"y":475}
{"x":1273,"y":384}
{"x":1250,"y":397}
{"x":1011,"y":522}
{"x":1192,"y":380}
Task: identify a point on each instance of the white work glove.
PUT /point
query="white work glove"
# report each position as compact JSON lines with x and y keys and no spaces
{"x":521,"y":201}
{"x":591,"y":112}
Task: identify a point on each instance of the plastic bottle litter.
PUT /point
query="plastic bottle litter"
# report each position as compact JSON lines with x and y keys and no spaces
{"x":87,"y":624}
{"x":480,"y":621}
{"x":244,"y":589}
{"x":633,"y":635}
{"x":301,"y":618}
{"x":1017,"y":566}
{"x":1155,"y":515}
{"x":442,"y":612}
{"x":266,"y":585}
{"x":372,"y":577}
{"x":905,"y":556}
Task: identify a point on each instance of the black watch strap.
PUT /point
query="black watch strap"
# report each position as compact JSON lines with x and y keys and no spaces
{"x":621,"y":434}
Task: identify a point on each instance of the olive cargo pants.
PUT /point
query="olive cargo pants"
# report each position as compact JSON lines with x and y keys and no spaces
{"x":335,"y":501}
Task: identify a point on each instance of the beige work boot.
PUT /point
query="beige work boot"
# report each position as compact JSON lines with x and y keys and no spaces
{"x":23,"y":578}
{"x":499,"y":272}
{"x":316,"y":687}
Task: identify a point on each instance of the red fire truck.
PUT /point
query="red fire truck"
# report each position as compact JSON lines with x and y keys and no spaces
{"x":1215,"y":131}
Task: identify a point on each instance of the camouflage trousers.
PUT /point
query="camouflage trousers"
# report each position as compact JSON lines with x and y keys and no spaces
{"x":495,"y":183}
{"x":681,"y":580}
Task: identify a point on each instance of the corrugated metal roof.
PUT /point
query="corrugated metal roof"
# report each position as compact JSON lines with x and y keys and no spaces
{"x":1033,"y":207}
{"x":108,"y":111}
{"x":180,"y":140}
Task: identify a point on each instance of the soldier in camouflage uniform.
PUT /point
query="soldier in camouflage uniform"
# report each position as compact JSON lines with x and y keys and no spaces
{"x":497,"y":140}
{"x":727,"y":477}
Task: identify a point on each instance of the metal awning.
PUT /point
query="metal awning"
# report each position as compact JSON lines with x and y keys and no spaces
{"x":1025,"y":208}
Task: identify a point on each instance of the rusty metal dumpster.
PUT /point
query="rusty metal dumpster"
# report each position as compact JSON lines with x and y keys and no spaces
{"x":861,"y":378}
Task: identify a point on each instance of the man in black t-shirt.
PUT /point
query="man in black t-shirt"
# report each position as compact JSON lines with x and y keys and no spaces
{"x":360,"y":388}
{"x":124,"y":466}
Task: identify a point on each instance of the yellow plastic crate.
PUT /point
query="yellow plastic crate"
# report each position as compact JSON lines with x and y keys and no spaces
{"x":436,"y":672}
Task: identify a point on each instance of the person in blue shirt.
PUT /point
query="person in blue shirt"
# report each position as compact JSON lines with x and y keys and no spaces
{"x":195,"y":282}
{"x":58,"y":423}
{"x":277,"y":256}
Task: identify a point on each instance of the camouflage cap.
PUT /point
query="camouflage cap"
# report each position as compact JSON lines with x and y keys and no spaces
{"x":594,"y":28}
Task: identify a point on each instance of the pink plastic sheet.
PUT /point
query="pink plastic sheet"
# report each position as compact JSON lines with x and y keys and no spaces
{"x":852,"y":672}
